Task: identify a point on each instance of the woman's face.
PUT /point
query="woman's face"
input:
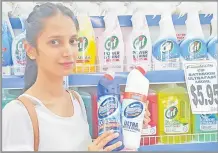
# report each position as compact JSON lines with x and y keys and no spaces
{"x":57,"y":46}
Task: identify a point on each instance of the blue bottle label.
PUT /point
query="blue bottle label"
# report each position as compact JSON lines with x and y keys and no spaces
{"x":133,"y":115}
{"x":208,"y":122}
{"x":166,"y":50}
{"x":193,"y":49}
{"x":108,"y":114}
{"x":212,"y":48}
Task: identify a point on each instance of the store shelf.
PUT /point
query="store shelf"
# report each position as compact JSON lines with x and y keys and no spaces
{"x":91,"y":79}
{"x":201,"y":147}
{"x":125,"y":21}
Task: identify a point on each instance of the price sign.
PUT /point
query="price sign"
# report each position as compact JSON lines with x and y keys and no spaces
{"x":201,"y":81}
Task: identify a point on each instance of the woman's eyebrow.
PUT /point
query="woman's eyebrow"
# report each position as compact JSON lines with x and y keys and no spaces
{"x":60,"y":36}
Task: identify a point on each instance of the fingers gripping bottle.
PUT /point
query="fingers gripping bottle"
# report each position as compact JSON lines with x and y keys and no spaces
{"x":133,"y":107}
{"x":109,"y":108}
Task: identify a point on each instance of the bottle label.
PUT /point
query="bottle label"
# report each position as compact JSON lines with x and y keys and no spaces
{"x":213,"y":48}
{"x":133,"y":115}
{"x":208,"y":122}
{"x":140,"y":52}
{"x":172,"y":124}
{"x":150,"y":130}
{"x":194,"y":49}
{"x":108,"y":114}
{"x":112,"y":57}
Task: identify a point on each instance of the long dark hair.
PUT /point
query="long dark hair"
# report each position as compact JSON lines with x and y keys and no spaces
{"x":34,"y":25}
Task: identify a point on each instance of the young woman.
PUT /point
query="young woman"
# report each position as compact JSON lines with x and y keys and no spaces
{"x":51,"y":44}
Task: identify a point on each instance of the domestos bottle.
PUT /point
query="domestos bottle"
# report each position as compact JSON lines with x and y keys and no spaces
{"x":174,"y":115}
{"x":109,"y":108}
{"x":133,"y":107}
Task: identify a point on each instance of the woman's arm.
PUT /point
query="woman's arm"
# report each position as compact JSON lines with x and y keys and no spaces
{"x":17,"y":130}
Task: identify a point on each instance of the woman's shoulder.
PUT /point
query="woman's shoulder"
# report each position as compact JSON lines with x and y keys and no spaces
{"x":14,"y":110}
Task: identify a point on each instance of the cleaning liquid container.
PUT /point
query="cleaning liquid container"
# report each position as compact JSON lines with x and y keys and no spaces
{"x":111,"y":45}
{"x":7,"y":36}
{"x":133,"y":107}
{"x":166,"y":50}
{"x":174,"y":115}
{"x":205,"y":127}
{"x":87,"y":46}
{"x":109,"y":108}
{"x":138,"y":47}
{"x":8,"y":95}
{"x":18,"y":52}
{"x":150,"y":133}
{"x":193,"y":47}
{"x":87,"y":99}
{"x":94,"y":115}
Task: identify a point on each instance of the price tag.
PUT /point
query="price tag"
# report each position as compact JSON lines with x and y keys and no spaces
{"x":66,"y":82}
{"x":201,"y":82}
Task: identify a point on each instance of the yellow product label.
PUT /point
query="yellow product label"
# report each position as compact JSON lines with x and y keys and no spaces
{"x":87,"y":49}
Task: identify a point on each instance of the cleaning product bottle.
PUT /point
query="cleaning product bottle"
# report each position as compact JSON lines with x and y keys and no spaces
{"x":213,"y":41}
{"x":9,"y":95}
{"x":193,"y":47}
{"x":174,"y":115}
{"x":6,"y":48}
{"x":139,"y":46}
{"x":111,"y":45}
{"x":150,"y":133}
{"x":87,"y":99}
{"x":109,"y":108}
{"x":166,"y":51}
{"x":87,"y":48}
{"x":133,"y":107}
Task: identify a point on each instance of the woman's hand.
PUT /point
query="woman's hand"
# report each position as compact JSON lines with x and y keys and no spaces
{"x":102,"y":140}
{"x":147,"y":116}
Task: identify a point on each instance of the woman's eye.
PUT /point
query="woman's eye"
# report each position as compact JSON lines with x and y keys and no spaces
{"x":74,"y":42}
{"x":54,"y":42}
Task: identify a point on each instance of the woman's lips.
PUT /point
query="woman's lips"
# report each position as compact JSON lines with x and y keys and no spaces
{"x":67,"y":64}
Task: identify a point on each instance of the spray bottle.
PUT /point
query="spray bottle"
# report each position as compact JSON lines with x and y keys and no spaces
{"x":193,"y":47}
{"x":87,"y":45}
{"x":7,"y":35}
{"x":166,"y":51}
{"x":205,"y":125}
{"x":139,"y":46}
{"x":21,"y":10}
{"x":111,"y":45}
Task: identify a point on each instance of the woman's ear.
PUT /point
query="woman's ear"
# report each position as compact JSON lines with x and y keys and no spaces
{"x":30,"y":51}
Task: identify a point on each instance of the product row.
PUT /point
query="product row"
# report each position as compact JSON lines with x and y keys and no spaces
{"x":116,"y":51}
{"x":171,"y":119}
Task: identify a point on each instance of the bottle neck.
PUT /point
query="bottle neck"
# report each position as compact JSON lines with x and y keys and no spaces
{"x":166,"y":26}
{"x":110,"y":20}
{"x":139,"y":20}
{"x":193,"y":25}
{"x":214,"y":26}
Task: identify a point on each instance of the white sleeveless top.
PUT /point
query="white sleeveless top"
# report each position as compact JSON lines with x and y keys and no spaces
{"x":56,"y":133}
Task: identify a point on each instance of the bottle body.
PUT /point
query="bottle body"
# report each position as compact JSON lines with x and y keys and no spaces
{"x":174,"y":113}
{"x":213,"y":48}
{"x":109,"y":108}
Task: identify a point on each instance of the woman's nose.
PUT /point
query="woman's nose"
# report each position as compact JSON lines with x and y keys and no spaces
{"x":68,"y":50}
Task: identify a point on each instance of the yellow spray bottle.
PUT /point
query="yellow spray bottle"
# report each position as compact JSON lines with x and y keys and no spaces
{"x":87,"y":48}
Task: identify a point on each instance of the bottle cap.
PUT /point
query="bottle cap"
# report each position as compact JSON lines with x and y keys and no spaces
{"x":141,"y":70}
{"x":109,"y":75}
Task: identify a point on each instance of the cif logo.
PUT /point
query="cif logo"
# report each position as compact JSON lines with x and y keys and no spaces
{"x":111,"y":43}
{"x":133,"y":110}
{"x":171,"y":112}
{"x":166,"y":46}
{"x":195,"y":46}
{"x":140,"y":42}
{"x":83,"y":44}
{"x":107,"y":107}
{"x":20,"y":52}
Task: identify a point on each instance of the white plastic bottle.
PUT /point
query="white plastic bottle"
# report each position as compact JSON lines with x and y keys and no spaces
{"x":166,"y":51}
{"x":111,"y":45}
{"x":193,"y":47}
{"x":133,"y":107}
{"x":138,"y":47}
